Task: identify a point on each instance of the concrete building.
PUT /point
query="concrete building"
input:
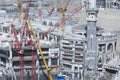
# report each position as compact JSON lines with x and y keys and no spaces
{"x":109,"y":4}
{"x":71,"y":60}
{"x":96,"y":45}
{"x":83,"y":47}
{"x":73,"y":50}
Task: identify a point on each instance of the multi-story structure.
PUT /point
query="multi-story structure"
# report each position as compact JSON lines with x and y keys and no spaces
{"x":73,"y":50}
{"x":48,"y":44}
{"x":114,"y":4}
{"x":110,"y":4}
{"x":5,"y":55}
{"x":98,"y":48}
{"x":71,"y":59}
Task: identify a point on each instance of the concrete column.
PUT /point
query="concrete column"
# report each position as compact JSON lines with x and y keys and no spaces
{"x":79,"y":72}
{"x":48,"y":37}
{"x":114,"y":49}
{"x":73,"y":71}
{"x":106,"y":47}
{"x":58,"y":60}
{"x":49,"y":60}
{"x":10,"y":63}
{"x":104,"y":59}
{"x":73,"y":48}
{"x":0,"y":58}
{"x":112,"y":53}
{"x":106,"y":52}
{"x":10,"y":57}
{"x":55,"y":39}
{"x":37,"y":65}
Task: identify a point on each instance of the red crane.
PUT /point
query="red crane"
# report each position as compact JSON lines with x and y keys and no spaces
{"x":25,"y":37}
{"x":77,"y":9}
{"x":52,"y":10}
{"x":25,"y":33}
{"x":18,"y":47}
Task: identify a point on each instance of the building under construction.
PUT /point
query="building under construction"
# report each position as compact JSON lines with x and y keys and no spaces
{"x":43,"y":40}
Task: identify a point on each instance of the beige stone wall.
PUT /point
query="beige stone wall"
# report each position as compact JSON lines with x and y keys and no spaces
{"x":109,"y":20}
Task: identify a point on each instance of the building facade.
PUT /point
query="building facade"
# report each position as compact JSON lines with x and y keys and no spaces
{"x":73,"y":50}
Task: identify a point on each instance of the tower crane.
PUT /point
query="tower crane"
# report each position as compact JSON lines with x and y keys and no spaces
{"x":20,"y":9}
{"x":77,"y":9}
{"x":52,"y":10}
{"x":25,"y":32}
{"x":25,"y":37}
{"x":27,"y":21}
{"x":63,"y":9}
{"x":33,"y":54}
{"x":18,"y":47}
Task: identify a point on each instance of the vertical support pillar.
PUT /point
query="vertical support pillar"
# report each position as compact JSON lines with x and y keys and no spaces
{"x":73,"y":74}
{"x":49,"y":59}
{"x":10,"y":65}
{"x":90,"y":56}
{"x":58,"y":60}
{"x":79,"y":72}
{"x":38,"y":66}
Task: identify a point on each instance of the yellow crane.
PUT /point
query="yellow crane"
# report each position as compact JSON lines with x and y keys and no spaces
{"x":37,"y":42}
{"x":40,"y":52}
{"x":35,"y":38}
{"x":63,"y":9}
{"x":20,"y":9}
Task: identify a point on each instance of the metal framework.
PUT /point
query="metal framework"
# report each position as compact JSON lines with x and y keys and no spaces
{"x":18,"y":47}
{"x":77,"y":9}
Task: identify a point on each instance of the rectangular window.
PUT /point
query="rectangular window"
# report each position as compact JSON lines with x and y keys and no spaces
{"x":100,"y":3}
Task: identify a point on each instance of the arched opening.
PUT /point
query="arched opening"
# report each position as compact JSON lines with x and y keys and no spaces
{"x":110,"y":47}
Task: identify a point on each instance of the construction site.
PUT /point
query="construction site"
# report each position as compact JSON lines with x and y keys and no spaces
{"x":59,"y":39}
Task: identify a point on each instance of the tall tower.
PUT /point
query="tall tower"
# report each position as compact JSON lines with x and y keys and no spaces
{"x":90,"y":56}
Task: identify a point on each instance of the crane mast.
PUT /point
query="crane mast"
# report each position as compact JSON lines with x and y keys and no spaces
{"x":18,"y":48}
{"x":62,"y":10}
{"x":20,"y":9}
{"x":25,"y":37}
